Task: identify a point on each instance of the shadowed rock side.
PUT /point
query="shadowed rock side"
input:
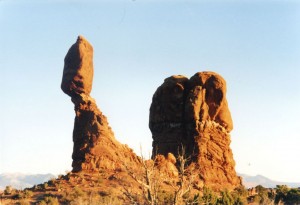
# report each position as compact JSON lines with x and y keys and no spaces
{"x":194,"y":113}
{"x":167,"y":116}
{"x":78,"y":70}
{"x":94,"y":144}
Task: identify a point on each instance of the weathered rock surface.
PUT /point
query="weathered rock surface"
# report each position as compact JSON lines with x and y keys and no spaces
{"x":206,"y":100}
{"x":95,"y":146}
{"x":166,"y":115}
{"x":194,"y":113}
{"x":78,"y":70}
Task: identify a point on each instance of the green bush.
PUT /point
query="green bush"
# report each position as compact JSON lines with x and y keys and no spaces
{"x":287,"y":195}
{"x":52,"y":182}
{"x":293,"y":197}
{"x":239,"y":196}
{"x":9,"y":190}
{"x":263,"y":195}
{"x":78,"y":197}
{"x":45,"y":185}
{"x":281,"y":192}
{"x":43,"y":202}
{"x":75,"y":194}
{"x":24,"y":202}
{"x":209,"y":197}
{"x":49,"y":200}
{"x":27,"y":194}
{"x":225,"y":199}
{"x":52,"y":201}
{"x":78,"y":192}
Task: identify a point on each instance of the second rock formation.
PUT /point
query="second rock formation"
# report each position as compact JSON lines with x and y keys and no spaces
{"x":193,"y":114}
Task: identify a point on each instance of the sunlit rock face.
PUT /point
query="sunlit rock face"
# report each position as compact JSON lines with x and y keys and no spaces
{"x":193,"y":113}
{"x":95,"y":146}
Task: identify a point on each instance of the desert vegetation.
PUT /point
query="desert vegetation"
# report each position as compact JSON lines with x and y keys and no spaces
{"x":156,"y":188}
{"x":281,"y":195}
{"x":153,"y":187}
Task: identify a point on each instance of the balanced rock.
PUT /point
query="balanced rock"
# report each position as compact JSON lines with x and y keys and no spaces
{"x":95,"y":146}
{"x":78,"y":70}
{"x":193,"y":114}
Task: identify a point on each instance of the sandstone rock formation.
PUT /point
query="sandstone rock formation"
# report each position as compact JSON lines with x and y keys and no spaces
{"x":193,"y":113}
{"x":78,"y":70}
{"x":94,"y":144}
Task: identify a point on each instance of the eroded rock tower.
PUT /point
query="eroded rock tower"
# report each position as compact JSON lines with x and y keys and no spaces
{"x":95,"y":146}
{"x":193,"y":113}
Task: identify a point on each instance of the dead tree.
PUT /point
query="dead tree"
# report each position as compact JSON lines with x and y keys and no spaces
{"x":149,"y":180}
{"x":186,"y":177}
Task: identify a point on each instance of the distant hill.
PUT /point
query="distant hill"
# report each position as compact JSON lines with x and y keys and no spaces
{"x":252,"y":181}
{"x":21,"y":181}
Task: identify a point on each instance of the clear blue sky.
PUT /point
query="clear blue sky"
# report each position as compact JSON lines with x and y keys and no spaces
{"x":254,"y":45}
